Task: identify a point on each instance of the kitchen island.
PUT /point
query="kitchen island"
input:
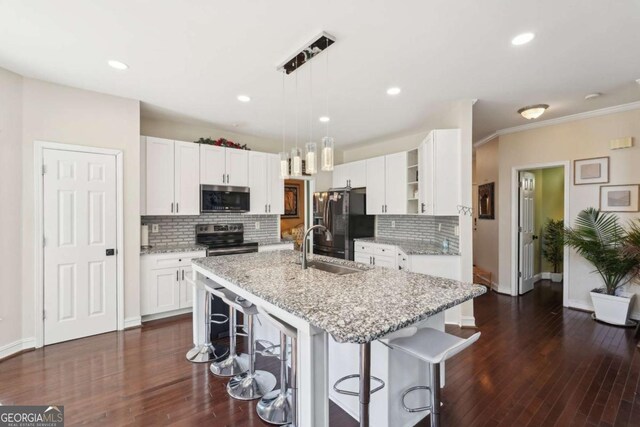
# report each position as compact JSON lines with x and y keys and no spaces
{"x":356,"y":308}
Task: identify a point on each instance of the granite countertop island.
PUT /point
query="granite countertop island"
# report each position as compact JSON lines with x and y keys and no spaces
{"x":410,"y":247}
{"x":166,"y":249}
{"x":355,"y":308}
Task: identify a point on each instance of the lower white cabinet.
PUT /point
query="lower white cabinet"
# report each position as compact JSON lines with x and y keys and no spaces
{"x":164,"y":286}
{"x":376,"y":254}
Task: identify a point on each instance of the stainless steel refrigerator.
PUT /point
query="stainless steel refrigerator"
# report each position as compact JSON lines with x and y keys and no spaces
{"x":343,"y":212}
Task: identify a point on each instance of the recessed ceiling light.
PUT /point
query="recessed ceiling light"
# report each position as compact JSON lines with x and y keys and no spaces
{"x":244,"y":98}
{"x":393,"y":91}
{"x":324,"y":119}
{"x":533,"y":111}
{"x":523,"y":38}
{"x":593,"y":95}
{"x":117,"y":65}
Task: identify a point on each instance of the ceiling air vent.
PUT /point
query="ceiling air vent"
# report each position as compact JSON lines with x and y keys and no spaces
{"x":304,"y":55}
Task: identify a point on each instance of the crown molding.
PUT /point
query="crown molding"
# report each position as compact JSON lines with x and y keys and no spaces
{"x":564,"y":119}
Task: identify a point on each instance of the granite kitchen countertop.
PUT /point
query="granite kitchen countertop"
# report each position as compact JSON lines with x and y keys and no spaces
{"x":356,"y":308}
{"x":275,"y":242}
{"x":411,"y":247}
{"x":167,"y":249}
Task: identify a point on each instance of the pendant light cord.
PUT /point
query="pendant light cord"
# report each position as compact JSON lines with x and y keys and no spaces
{"x":297,"y":101}
{"x":326,"y":51}
{"x":284,"y":133}
{"x":311,"y":98}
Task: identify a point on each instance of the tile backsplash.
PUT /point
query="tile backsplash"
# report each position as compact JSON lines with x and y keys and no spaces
{"x":419,"y":227}
{"x":182,"y":229}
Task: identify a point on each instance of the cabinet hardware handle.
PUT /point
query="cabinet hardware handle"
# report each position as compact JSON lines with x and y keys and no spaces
{"x":177,"y":275}
{"x":177,"y":207}
{"x":374,"y":260}
{"x":227,"y":178}
{"x":423,"y":206}
{"x":382,"y":208}
{"x":370,"y":260}
{"x":269,"y":208}
{"x":265,"y":208}
{"x":182,"y":274}
{"x":171,"y":207}
{"x":224,"y":179}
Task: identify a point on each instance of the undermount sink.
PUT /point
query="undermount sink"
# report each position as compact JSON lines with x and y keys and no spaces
{"x":333,"y":268}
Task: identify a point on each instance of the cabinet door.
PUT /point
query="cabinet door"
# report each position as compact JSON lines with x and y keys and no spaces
{"x":186,"y":290}
{"x":385,"y":261}
{"x":357,"y":174}
{"x":237,"y":166}
{"x":338,"y":179}
{"x":375,"y":185}
{"x":276,"y":186}
{"x":212,"y":165}
{"x":396,"y":183}
{"x":258,"y":182}
{"x":160,"y":176}
{"x":187,"y":178}
{"x":426,"y":172}
{"x":362,"y":258}
{"x":160,"y":291}
{"x":446,"y":168}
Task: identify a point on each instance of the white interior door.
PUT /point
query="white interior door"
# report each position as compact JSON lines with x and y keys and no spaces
{"x":526,"y":231}
{"x":80,"y":281}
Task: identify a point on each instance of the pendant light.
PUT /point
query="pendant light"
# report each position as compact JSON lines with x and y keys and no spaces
{"x":311,"y":149}
{"x":284,"y":155}
{"x":327,"y":141}
{"x":296,"y":154}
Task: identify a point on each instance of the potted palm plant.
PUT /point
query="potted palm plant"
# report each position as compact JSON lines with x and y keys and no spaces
{"x":553,"y":246}
{"x":601,"y":240}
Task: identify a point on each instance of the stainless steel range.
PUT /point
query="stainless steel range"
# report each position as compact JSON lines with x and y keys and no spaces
{"x":224,"y":239}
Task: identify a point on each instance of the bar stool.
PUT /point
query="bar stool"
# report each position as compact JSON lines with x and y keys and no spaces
{"x":253,"y":383}
{"x":235,"y":363}
{"x":280,"y":406}
{"x":208,"y":351}
{"x":434,"y":347}
{"x":365,"y":376}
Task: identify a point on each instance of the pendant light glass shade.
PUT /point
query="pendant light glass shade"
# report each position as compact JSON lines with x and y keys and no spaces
{"x":327,"y":153}
{"x":311,"y":157}
{"x":296,"y":162}
{"x":284,"y":165}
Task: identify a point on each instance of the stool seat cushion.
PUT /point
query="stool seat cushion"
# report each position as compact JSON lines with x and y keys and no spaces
{"x":432,"y":345}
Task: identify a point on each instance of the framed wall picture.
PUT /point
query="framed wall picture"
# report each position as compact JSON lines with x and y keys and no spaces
{"x":291,"y":201}
{"x":620,"y":198}
{"x":591,"y":171}
{"x":486,"y":201}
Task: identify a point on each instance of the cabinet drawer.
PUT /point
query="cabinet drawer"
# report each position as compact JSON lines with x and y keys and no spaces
{"x":179,"y":259}
{"x":385,"y":261}
{"x":365,"y":247}
{"x":385,"y":250}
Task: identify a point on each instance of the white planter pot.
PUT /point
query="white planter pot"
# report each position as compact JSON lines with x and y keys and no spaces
{"x":612,"y":309}
{"x":556,"y":277}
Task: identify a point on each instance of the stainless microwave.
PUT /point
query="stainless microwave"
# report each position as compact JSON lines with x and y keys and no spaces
{"x":221,"y":198}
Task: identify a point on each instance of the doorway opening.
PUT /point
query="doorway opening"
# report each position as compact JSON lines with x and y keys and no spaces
{"x":541,"y":209}
{"x":292,"y":222}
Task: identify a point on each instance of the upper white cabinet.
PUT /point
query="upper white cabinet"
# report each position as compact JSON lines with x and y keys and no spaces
{"x":352,"y":174}
{"x":439,"y":172}
{"x":386,"y":182}
{"x":171,"y":177}
{"x":267,"y":188}
{"x":224,"y":166}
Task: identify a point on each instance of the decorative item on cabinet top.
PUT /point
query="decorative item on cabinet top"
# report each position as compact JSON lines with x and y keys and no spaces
{"x":222,"y":142}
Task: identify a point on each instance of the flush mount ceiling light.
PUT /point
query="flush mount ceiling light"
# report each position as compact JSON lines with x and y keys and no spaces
{"x":244,"y":98}
{"x":533,"y":111}
{"x":117,"y":65}
{"x":593,"y":96}
{"x":324,"y":119}
{"x":523,"y":38}
{"x":638,"y":81}
{"x":393,"y":91}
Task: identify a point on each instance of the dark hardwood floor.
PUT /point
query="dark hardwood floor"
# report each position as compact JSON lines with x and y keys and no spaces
{"x":536,"y":364}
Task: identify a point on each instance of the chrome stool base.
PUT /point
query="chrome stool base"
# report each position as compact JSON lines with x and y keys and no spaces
{"x":276,"y":407}
{"x":207,"y":353}
{"x":249,"y":386}
{"x":419,"y":409}
{"x":231,"y":366}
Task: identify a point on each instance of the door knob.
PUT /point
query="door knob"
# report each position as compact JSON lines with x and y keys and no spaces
{"x":110,"y":252}
{"x":534,"y":237}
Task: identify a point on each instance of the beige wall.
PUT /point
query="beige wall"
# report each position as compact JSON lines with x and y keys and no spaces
{"x":56,"y":113}
{"x":11,"y":212}
{"x":567,"y":142}
{"x":485,"y":246}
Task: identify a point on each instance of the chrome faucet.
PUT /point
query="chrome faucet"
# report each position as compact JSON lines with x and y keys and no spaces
{"x":327,"y":234}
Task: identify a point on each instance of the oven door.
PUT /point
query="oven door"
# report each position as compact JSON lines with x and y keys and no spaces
{"x":218,"y":198}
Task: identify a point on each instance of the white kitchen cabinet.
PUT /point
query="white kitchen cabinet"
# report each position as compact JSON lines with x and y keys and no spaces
{"x":353,"y":174}
{"x":439,"y":171}
{"x":171,"y":177}
{"x":386,"y":182}
{"x":164,"y":289}
{"x":266,"y":186}
{"x":224,"y":166}
{"x":447,"y":266}
{"x":376,"y":254}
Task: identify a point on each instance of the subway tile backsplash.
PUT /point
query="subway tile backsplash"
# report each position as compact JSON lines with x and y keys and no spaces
{"x":182,"y":229}
{"x":419,"y":227}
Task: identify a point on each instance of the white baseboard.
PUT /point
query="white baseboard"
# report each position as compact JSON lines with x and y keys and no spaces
{"x":545,"y":275}
{"x":132,"y":322}
{"x":17,"y":346}
{"x":538,"y":277}
{"x":467,"y":322}
{"x":158,"y":316}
